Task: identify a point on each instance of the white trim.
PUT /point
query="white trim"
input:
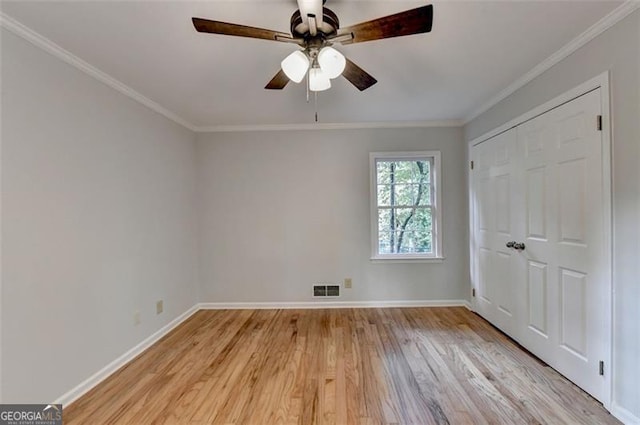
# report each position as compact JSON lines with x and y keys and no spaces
{"x":472,"y":216}
{"x":64,"y":55}
{"x":121,"y":361}
{"x":592,"y":32}
{"x":328,"y":126}
{"x":406,"y":260}
{"x":599,"y":82}
{"x":625,"y":416}
{"x":468,"y":305}
{"x":330,"y":304}
{"x":607,"y":195}
{"x":436,"y":204}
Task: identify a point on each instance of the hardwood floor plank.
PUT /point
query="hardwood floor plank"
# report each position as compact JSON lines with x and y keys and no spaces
{"x":413,"y":366}
{"x":428,"y":380}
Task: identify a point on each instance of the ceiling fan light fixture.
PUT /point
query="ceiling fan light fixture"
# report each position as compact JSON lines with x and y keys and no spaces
{"x":295,"y":66}
{"x":318,"y":80}
{"x":331,"y":61}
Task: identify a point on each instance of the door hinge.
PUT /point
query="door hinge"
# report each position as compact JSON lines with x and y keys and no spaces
{"x":473,"y":292}
{"x":599,"y":122}
{"x":601,"y":368}
{"x":472,"y":165}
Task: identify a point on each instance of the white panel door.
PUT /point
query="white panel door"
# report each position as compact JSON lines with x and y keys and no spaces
{"x":567,"y":287}
{"x":539,"y":216}
{"x":495,"y":196}
{"x":556,"y":290}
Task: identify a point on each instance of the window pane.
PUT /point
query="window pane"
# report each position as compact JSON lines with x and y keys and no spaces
{"x":420,"y":220}
{"x":383,"y":171}
{"x":404,"y":230}
{"x":403,"y":217}
{"x":385,"y":224}
{"x":423,"y":231}
{"x":403,"y":194}
{"x":421,"y":171}
{"x":425,"y":198}
{"x":413,"y":243}
{"x":404,"y":171}
{"x":384,"y":195}
{"x":409,"y":171}
{"x":406,"y":243}
{"x":410,"y":194}
{"x":385,"y":242}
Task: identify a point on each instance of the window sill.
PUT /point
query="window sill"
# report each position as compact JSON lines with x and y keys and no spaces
{"x":387,"y":260}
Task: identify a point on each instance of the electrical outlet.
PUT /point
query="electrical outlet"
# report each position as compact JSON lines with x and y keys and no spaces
{"x":347,"y":283}
{"x":136,"y":318}
{"x":159,"y":307}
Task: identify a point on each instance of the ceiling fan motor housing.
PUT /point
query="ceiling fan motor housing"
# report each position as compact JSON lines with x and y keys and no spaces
{"x":327,"y":26}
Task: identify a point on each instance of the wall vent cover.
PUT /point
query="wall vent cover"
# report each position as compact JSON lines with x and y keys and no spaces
{"x":324,"y":290}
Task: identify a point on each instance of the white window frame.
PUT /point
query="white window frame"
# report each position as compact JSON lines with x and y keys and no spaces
{"x":436,"y":205}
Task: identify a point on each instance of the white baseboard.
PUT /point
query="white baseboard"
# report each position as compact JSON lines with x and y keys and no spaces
{"x":331,"y":304}
{"x":622,"y":414}
{"x":112,"y":367}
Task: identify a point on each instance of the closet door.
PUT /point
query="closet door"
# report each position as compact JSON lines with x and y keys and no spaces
{"x":567,"y":289}
{"x":542,"y":185}
{"x":497,"y":207}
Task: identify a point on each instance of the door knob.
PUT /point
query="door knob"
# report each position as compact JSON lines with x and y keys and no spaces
{"x":519,"y":246}
{"x":511,"y":244}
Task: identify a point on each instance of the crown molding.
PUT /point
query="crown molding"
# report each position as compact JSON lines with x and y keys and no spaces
{"x":592,"y":32}
{"x":59,"y":52}
{"x":328,"y":126}
{"x":52,"y":48}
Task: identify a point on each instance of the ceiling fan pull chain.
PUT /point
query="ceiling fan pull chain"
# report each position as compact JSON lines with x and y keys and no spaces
{"x":307,"y":86}
{"x":315,"y":102}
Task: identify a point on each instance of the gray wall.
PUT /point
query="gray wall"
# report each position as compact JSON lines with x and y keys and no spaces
{"x":282,"y":210}
{"x":98,"y":220}
{"x":616,"y":50}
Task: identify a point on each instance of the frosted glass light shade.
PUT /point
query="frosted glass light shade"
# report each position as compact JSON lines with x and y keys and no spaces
{"x":318,"y":80}
{"x":331,"y":61}
{"x":295,"y":66}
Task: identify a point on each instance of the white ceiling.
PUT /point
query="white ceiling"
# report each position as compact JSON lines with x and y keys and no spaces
{"x":476,"y":49}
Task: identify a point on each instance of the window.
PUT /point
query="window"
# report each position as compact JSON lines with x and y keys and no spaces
{"x":405,"y":213}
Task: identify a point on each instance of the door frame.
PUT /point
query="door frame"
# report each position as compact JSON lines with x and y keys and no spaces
{"x":599,"y":82}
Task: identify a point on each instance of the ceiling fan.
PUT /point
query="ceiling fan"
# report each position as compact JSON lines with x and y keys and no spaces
{"x":315,"y":29}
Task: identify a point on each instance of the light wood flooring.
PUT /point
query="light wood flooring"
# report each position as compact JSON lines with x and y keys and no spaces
{"x":414,"y":366}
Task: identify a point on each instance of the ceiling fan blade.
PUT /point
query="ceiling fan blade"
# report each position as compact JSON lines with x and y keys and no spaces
{"x":358,"y":76}
{"x":278,"y":81}
{"x":414,"y":21}
{"x":224,"y":28}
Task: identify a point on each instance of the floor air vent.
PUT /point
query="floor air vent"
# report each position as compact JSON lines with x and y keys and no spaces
{"x":326,"y":290}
